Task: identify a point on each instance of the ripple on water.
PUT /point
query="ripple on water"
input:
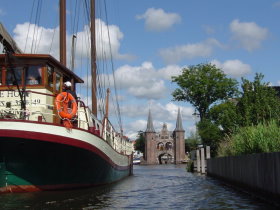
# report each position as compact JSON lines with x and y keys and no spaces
{"x":151,"y":187}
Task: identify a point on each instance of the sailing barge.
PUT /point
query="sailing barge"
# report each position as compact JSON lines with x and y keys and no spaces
{"x":37,"y":152}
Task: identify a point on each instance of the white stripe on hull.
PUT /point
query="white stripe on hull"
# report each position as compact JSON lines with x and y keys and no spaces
{"x":117,"y":158}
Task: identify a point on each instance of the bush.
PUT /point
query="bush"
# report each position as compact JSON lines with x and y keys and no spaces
{"x":264,"y":137}
{"x":190,"y":166}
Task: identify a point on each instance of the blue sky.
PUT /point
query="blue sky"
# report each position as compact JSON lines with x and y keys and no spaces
{"x":151,"y":40}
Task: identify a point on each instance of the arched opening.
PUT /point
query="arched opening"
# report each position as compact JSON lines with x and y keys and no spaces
{"x":160,"y":146}
{"x":168,"y":146}
{"x":165,"y":158}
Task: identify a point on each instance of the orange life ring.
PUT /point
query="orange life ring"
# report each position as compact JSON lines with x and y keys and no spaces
{"x":61,"y":102}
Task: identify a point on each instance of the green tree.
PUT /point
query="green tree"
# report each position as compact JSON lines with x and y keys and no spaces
{"x":202,"y":85}
{"x":211,"y":135}
{"x":258,"y":103}
{"x":192,"y":141}
{"x":225,"y":116}
{"x":140,"y":142}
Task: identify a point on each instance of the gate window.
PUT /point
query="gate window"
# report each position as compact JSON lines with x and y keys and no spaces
{"x":160,"y":146}
{"x":168,"y":146}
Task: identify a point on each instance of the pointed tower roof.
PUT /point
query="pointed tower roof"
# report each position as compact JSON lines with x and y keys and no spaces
{"x":179,"y":125}
{"x":150,"y":126}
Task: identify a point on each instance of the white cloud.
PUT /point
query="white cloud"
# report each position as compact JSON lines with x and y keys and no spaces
{"x":155,"y":90}
{"x":169,"y":71}
{"x":43,"y":39}
{"x":144,"y":81}
{"x":158,"y":19}
{"x":140,"y":81}
{"x":189,"y":51}
{"x":208,"y":29}
{"x":138,"y":125}
{"x":160,"y":113}
{"x":235,"y":68}
{"x":249,"y":34}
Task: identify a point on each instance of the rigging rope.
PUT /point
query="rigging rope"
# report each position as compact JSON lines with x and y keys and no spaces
{"x":30,"y":19}
{"x":113,"y":69}
{"x":36,"y":26}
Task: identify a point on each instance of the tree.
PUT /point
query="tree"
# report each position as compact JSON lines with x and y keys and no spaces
{"x":211,"y":135}
{"x":140,"y":142}
{"x":192,"y":141}
{"x":202,"y":85}
{"x":258,"y":103}
{"x":225,"y":116}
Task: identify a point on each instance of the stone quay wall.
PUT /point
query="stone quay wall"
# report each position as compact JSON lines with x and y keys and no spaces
{"x":259,"y":173}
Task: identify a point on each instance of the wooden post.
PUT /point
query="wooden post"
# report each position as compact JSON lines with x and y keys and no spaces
{"x":207,"y":152}
{"x":198,"y":160}
{"x":202,"y":160}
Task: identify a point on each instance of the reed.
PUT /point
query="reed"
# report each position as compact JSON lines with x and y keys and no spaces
{"x":264,"y":137}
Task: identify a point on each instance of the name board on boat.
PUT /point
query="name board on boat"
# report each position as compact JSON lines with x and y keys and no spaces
{"x":14,"y":98}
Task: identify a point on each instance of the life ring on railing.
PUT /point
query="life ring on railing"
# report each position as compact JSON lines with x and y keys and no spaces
{"x":61,"y":101}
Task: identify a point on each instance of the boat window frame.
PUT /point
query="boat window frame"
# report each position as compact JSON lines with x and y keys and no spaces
{"x":60,"y":82}
{"x":2,"y":75}
{"x":4,"y":69}
{"x":8,"y":69}
{"x":47,"y":85}
{"x":41,"y":67}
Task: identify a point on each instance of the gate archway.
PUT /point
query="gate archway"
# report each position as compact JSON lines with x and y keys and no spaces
{"x":165,"y":158}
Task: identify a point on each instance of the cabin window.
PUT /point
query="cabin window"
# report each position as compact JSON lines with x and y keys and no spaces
{"x":1,"y":69}
{"x":58,"y":83}
{"x":33,"y":75}
{"x":14,"y":78}
{"x":50,"y":76}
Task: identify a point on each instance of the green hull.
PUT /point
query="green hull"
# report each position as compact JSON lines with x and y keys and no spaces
{"x":28,"y":165}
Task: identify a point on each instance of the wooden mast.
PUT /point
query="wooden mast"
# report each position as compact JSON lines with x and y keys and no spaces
{"x":62,"y":31}
{"x":107,"y":104}
{"x":93,"y":58}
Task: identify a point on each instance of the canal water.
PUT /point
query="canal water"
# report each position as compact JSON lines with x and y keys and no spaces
{"x":151,"y":187}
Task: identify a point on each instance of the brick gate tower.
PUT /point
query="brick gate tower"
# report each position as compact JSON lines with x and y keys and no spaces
{"x":150,"y":141}
{"x":164,"y":146}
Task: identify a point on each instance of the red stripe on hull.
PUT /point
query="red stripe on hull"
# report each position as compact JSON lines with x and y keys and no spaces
{"x":33,"y":188}
{"x":60,"y":140}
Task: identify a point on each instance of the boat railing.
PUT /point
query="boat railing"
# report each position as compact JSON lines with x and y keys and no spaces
{"x":40,"y":107}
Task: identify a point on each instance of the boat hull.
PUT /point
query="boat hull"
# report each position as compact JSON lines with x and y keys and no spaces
{"x":49,"y":162}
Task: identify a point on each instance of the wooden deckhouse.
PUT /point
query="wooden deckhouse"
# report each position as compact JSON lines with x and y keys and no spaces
{"x":39,"y":78}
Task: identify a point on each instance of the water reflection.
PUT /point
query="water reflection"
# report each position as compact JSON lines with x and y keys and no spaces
{"x":151,"y":187}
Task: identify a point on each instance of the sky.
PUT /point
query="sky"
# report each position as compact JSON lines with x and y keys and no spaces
{"x":152,"y":40}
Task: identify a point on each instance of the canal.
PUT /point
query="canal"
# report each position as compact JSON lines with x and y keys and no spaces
{"x":151,"y":187}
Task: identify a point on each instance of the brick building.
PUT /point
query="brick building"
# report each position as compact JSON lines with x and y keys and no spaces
{"x":164,"y":146}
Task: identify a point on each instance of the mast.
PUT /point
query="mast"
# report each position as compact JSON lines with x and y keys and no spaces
{"x":73,"y":53}
{"x":107,"y":104}
{"x":93,"y":58}
{"x":62,"y":31}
